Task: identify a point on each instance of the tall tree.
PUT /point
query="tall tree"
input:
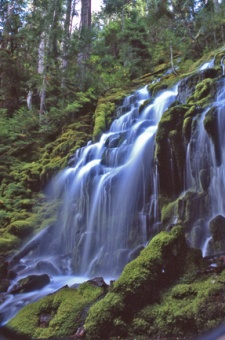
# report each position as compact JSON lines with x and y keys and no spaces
{"x":85,"y":21}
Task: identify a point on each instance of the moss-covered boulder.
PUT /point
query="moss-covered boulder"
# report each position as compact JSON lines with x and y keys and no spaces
{"x":185,"y":310}
{"x":57,"y":315}
{"x":158,"y":265}
{"x":187,"y":86}
{"x":30,"y":283}
{"x":192,"y":207}
{"x":170,"y":151}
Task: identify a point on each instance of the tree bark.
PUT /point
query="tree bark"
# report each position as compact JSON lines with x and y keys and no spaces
{"x":66,"y":39}
{"x":85,"y":14}
{"x":41,"y":72}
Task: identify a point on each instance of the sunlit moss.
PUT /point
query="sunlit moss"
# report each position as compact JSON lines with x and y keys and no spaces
{"x":65,"y":309}
{"x":140,"y":283}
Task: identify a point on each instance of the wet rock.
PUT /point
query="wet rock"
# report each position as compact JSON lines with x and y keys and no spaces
{"x":187,"y":85}
{"x":46,"y":267}
{"x":80,"y":333}
{"x":44,"y":320}
{"x":217,"y":229}
{"x":98,"y":281}
{"x":4,"y":285}
{"x":2,"y":297}
{"x":30,"y":283}
{"x":205,"y":179}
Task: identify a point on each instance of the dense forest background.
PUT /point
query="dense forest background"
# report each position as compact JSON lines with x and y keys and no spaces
{"x":54,"y":68}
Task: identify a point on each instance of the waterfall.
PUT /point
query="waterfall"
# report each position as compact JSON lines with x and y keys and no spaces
{"x":110,"y":192}
{"x":109,"y":195}
{"x":205,"y":163}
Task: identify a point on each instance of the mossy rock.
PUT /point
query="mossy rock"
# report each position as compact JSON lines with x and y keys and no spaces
{"x":185,"y":310}
{"x":21,"y":228}
{"x":103,"y":117}
{"x":211,"y":126}
{"x":157,"y":87}
{"x":169,"y":212}
{"x":57,"y":315}
{"x":8,"y":243}
{"x":170,"y":151}
{"x":158,"y":265}
{"x":217,"y":229}
{"x":192,"y":207}
{"x":188,"y":85}
{"x":204,"y":92}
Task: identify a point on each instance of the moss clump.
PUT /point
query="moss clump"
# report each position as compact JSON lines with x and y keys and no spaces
{"x":204,"y":93}
{"x":157,"y":266}
{"x":181,"y":311}
{"x":156,"y":87}
{"x":8,"y":243}
{"x":66,"y":311}
{"x":168,"y":212}
{"x":103,"y":118}
{"x":20,"y":229}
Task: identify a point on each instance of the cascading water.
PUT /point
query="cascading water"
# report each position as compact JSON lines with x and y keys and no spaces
{"x":109,"y":209}
{"x":205,"y":163}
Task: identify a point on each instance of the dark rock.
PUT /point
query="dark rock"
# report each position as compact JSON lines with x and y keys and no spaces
{"x":98,"y":281}
{"x":187,"y":85}
{"x":44,"y":320}
{"x":33,"y":244}
{"x":80,"y":333}
{"x":217,"y":229}
{"x":211,"y":126}
{"x":205,"y":179}
{"x":46,"y":267}
{"x":2,"y":297}
{"x":30,"y":283}
{"x":4,"y":285}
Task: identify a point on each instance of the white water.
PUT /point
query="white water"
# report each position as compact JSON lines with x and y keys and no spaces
{"x":109,"y":210}
{"x":204,"y":154}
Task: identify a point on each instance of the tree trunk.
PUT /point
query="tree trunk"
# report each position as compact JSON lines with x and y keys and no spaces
{"x":41,"y":72}
{"x":85,"y":21}
{"x":216,"y":6}
{"x":66,"y":39}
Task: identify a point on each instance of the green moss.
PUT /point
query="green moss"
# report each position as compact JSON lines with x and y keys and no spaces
{"x":181,"y":310}
{"x":103,"y":118}
{"x":204,"y":93}
{"x":140,"y":283}
{"x":156,"y":87}
{"x":187,"y":128}
{"x":8,"y":243}
{"x":20,"y":229}
{"x":66,"y":310}
{"x":168,"y":212}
